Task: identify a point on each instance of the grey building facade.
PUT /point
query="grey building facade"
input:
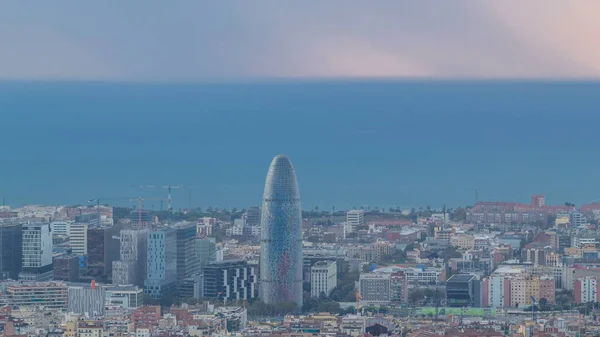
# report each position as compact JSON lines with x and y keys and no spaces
{"x":231,"y":280}
{"x":11,"y":242}
{"x":188,"y":262}
{"x":281,"y":235}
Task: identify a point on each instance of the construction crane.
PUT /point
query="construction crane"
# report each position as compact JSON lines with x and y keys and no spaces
{"x":534,"y":304}
{"x":169,"y":188}
{"x":358,"y":299}
{"x":140,"y":205}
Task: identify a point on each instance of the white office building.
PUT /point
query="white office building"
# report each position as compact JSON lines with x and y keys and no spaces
{"x":323,"y":276}
{"x":61,"y":228}
{"x":37,"y":252}
{"x":127,"y":297}
{"x":78,"y":238}
{"x":356,"y":218}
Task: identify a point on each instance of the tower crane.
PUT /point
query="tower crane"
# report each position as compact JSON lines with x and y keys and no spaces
{"x":358,"y":299}
{"x":534,"y":304}
{"x":169,"y":188}
{"x":140,"y":205}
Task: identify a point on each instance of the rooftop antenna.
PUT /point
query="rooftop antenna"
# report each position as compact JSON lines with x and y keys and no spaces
{"x":444,"y":212}
{"x":476,"y":195}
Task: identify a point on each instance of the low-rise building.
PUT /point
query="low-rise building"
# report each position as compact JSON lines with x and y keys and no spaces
{"x":375,"y":288}
{"x":52,"y":295}
{"x":90,"y":329}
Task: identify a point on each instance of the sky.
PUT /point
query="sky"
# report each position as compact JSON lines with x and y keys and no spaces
{"x":155,"y":40}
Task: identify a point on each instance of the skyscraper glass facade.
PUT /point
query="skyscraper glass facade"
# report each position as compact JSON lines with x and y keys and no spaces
{"x":281,"y":235}
{"x":162,"y":262}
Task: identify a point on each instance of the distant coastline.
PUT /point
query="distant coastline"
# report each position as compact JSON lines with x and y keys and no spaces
{"x":428,"y":142}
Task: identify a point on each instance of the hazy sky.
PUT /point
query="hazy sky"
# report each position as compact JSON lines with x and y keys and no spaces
{"x":208,"y":40}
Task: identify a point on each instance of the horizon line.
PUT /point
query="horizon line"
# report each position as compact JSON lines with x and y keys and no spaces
{"x":293,"y":80}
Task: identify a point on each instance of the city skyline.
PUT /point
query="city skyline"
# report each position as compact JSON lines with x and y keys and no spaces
{"x":281,"y":235}
{"x":445,"y":151}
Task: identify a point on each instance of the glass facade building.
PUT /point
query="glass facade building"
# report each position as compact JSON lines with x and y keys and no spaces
{"x":11,"y":242}
{"x":460,"y":291}
{"x":161,"y":276}
{"x":281,"y":236}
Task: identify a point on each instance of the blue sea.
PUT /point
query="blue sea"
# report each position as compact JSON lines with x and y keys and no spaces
{"x":388,"y":143}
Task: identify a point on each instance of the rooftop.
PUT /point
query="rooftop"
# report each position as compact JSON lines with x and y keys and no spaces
{"x":323,"y":264}
{"x":461,"y":278}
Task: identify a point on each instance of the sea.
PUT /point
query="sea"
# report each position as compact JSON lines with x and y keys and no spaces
{"x":353,"y":143}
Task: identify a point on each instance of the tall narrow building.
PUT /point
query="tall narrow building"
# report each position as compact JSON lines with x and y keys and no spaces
{"x":161,"y":274}
{"x":131,"y":267}
{"x":188,"y":262}
{"x":11,"y":247}
{"x":103,"y":248}
{"x":37,"y":252}
{"x":281,"y":236}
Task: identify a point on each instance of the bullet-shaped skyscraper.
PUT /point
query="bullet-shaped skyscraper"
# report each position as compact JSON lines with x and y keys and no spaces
{"x":281,"y":236}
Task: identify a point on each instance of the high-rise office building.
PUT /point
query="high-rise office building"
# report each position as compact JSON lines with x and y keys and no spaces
{"x":78,"y":238}
{"x":207,"y":251}
{"x":131,"y":267}
{"x":161,"y":275}
{"x":191,"y":287}
{"x":37,"y":252}
{"x":253,"y":216}
{"x":188,"y":262}
{"x":11,"y":246}
{"x":231,"y":280}
{"x":281,"y":235}
{"x":102,"y":249}
{"x":66,"y":268}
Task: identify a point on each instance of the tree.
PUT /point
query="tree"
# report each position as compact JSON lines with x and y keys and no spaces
{"x":349,"y":310}
{"x":191,"y":300}
{"x":259,"y":308}
{"x":543,"y":303}
{"x":328,"y":306}
{"x":415,"y":296}
{"x":450,"y":252}
{"x":344,"y":291}
{"x":169,"y":300}
{"x":285,"y":308}
{"x":149,"y":300}
{"x":460,"y":214}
